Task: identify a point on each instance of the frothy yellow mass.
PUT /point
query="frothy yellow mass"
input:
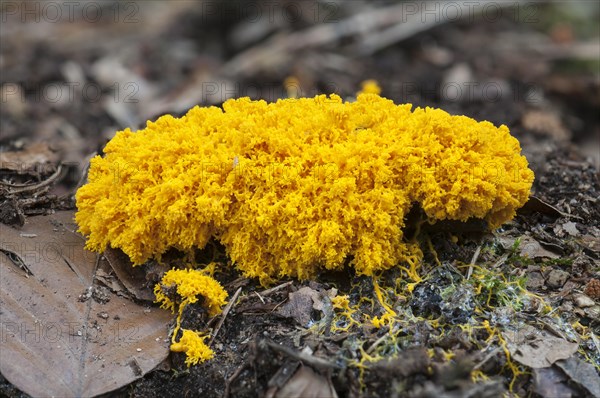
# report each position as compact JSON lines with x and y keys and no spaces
{"x":298,"y":185}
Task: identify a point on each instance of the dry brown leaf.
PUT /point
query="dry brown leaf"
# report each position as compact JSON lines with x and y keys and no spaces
{"x":537,"y":205}
{"x":551,"y":383}
{"x":570,"y":228}
{"x":591,"y":243}
{"x":60,"y":335}
{"x":133,"y":278}
{"x":546,"y":123}
{"x":33,"y":159}
{"x":531,"y":248}
{"x":582,"y":373}
{"x":301,"y":305}
{"x":307,"y":384}
{"x":537,"y":348}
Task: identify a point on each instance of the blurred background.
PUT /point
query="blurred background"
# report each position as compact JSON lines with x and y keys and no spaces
{"x":73,"y":73}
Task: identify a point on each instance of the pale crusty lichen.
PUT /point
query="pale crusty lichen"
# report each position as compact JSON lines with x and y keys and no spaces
{"x":300,"y":184}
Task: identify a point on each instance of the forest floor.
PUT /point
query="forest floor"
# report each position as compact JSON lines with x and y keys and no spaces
{"x":512,"y":311}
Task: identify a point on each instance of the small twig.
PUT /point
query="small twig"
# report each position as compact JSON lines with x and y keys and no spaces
{"x":416,"y":22}
{"x":272,"y":290}
{"x":376,"y":343}
{"x":374,"y":28}
{"x":279,"y":305}
{"x":476,"y":255}
{"x":231,"y":379}
{"x":556,"y":331}
{"x":500,"y":261}
{"x":84,"y":174}
{"x":260,"y":297}
{"x":276,"y":288}
{"x":40,"y":198}
{"x":280,"y":47}
{"x":37,"y":186}
{"x":487,"y":358}
{"x":228,"y":307}
{"x":473,"y":261}
{"x":301,"y":356}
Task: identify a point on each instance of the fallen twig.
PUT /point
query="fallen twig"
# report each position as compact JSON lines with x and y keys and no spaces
{"x":267,"y":292}
{"x":487,"y":358}
{"x":234,"y":376}
{"x":226,"y":310}
{"x":20,"y":188}
{"x":376,"y":343}
{"x":301,"y":356}
{"x":473,"y":261}
{"x":417,"y":19}
{"x":375,"y":28}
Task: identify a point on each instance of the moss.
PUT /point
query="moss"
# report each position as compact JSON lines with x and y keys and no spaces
{"x":561,"y":262}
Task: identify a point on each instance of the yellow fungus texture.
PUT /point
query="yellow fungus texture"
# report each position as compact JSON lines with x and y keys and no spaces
{"x":194,"y":347}
{"x":190,"y":284}
{"x":298,"y":185}
{"x":370,"y":87}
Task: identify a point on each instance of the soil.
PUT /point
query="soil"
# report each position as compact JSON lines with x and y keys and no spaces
{"x":534,"y":69}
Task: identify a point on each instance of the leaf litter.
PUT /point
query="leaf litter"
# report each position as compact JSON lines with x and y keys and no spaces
{"x":63,"y":334}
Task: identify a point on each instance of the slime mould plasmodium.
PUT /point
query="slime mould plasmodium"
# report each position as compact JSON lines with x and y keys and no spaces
{"x":298,"y":185}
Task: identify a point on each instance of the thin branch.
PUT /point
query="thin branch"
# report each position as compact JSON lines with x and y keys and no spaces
{"x":473,"y":261}
{"x":228,"y":307}
{"x":267,"y":292}
{"x":34,"y":187}
{"x":301,"y":356}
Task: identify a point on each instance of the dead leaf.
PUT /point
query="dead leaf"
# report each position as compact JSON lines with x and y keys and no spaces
{"x":35,"y":159}
{"x":551,"y":383}
{"x":582,"y":373}
{"x":591,"y":243}
{"x":593,"y":313}
{"x":531,"y":248}
{"x":583,"y":301}
{"x":52,"y":343}
{"x":537,"y":205}
{"x":556,"y":278}
{"x":571,"y":228}
{"x":307,"y":384}
{"x":537,"y":348}
{"x":110,"y":281}
{"x":133,"y":278}
{"x":301,"y":305}
{"x":546,"y":123}
{"x":535,"y":280}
